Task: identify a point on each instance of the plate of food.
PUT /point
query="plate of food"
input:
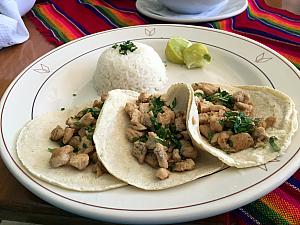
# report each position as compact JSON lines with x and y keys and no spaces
{"x":153,"y":124}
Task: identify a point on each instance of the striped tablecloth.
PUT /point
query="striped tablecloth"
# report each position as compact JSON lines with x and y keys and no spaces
{"x":62,"y":21}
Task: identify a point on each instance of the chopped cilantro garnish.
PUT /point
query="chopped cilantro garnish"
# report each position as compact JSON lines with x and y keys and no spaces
{"x":238,"y":122}
{"x":223,"y":98}
{"x":143,"y":138}
{"x":94,"y":111}
{"x":272,"y":141}
{"x":199,"y":94}
{"x":156,"y":106}
{"x":90,"y":128}
{"x":125,"y":47}
{"x":167,"y":135}
{"x":173,"y":104}
{"x":90,"y":137}
{"x":51,"y":149}
{"x":210,"y":135}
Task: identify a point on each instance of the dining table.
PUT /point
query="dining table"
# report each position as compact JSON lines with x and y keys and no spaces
{"x":18,"y":203}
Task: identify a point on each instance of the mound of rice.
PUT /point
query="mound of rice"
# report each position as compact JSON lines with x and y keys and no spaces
{"x":140,"y":70}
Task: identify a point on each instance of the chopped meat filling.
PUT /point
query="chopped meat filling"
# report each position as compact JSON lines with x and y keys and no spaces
{"x":225,"y":119}
{"x":76,"y":140}
{"x":159,"y":135}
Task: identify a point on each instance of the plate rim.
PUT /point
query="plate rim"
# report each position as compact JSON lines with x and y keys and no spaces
{"x":40,"y":194}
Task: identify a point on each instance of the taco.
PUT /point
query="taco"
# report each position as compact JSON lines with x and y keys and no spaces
{"x":58,"y":148}
{"x":243,"y":126}
{"x":146,"y":141}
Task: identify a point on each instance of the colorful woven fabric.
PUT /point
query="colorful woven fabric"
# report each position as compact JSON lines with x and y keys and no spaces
{"x":281,"y":206}
{"x":63,"y":21}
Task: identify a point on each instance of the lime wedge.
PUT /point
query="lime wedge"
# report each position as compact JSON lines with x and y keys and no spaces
{"x":196,"y":55}
{"x":175,"y":49}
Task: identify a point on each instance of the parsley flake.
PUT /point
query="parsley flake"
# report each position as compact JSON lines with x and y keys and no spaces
{"x":223,"y":98}
{"x":125,"y":47}
{"x":238,"y":122}
{"x":272,"y":141}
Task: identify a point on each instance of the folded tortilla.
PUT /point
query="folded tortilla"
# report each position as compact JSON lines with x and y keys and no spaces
{"x":32,"y":149}
{"x":266,"y":102}
{"x":114,"y":149}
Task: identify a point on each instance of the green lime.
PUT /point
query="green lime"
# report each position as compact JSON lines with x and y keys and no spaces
{"x":175,"y":49}
{"x":196,"y":55}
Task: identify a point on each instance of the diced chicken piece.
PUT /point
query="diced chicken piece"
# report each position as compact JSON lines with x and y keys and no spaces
{"x":81,"y":113}
{"x":214,"y":139}
{"x":166,"y":117}
{"x":86,"y":146}
{"x":203,"y":118}
{"x":175,"y":155}
{"x":223,"y":139}
{"x":203,"y":107}
{"x":82,"y":132}
{"x":139,"y":151}
{"x":188,"y":150}
{"x":79,"y":161}
{"x":99,"y":169}
{"x":184,"y":165}
{"x":94,"y":157}
{"x":215,"y":125}
{"x":152,"y":140}
{"x":135,"y":116}
{"x":138,"y":126}
{"x":180,"y":123}
{"x":104,"y":97}
{"x":73,"y":123}
{"x":57,"y":133}
{"x":217,"y":108}
{"x":241,"y":96}
{"x":87,"y":120}
{"x":241,"y":141}
{"x":185,"y":135}
{"x":97,"y":103}
{"x":270,"y":121}
{"x":74,"y":141}
{"x":221,"y":113}
{"x":240,"y":106}
{"x":151,"y":160}
{"x":260,"y":122}
{"x":60,"y":156}
{"x":144,"y":97}
{"x":68,"y":134}
{"x":133,"y":134}
{"x":161,"y":155}
{"x":180,"y":114}
{"x":259,"y":134}
{"x":162,"y":173}
{"x":207,"y":88}
{"x":205,"y":130}
{"x":146,"y":119}
{"x":144,"y":107}
{"x":129,"y":107}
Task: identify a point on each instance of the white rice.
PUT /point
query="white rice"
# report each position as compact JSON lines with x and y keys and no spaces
{"x":140,"y":70}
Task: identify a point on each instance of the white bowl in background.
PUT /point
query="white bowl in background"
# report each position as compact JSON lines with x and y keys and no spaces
{"x":190,"y":6}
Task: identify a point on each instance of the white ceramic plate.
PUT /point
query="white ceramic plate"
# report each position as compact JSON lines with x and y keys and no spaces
{"x":50,"y":82}
{"x":155,"y":10}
